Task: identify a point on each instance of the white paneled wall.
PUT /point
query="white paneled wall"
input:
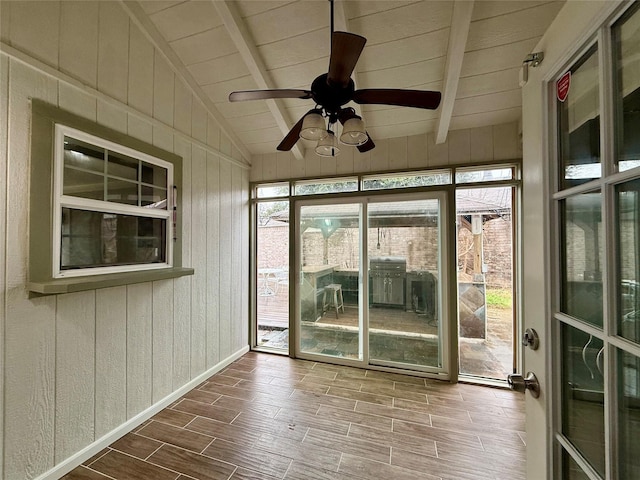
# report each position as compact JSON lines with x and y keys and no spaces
{"x":79,"y":366}
{"x":470,"y":146}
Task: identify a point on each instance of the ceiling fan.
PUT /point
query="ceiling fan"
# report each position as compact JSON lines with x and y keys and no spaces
{"x":334,"y":89}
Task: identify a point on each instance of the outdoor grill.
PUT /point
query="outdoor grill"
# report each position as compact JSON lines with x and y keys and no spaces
{"x":387,"y":280}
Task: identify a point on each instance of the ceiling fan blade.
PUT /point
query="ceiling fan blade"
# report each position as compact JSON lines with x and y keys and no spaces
{"x":403,"y":98}
{"x":366,"y":146}
{"x":345,"y":51}
{"x":292,"y":137}
{"x":267,"y":94}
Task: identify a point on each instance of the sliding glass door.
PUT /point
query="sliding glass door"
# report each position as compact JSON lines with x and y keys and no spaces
{"x":371,"y":278}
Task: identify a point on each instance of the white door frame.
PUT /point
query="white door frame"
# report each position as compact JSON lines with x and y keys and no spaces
{"x":575,"y":24}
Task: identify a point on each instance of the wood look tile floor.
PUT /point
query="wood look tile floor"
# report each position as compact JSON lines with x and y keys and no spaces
{"x":271,"y":417}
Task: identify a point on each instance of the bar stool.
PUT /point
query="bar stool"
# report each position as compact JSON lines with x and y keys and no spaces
{"x":333,"y":299}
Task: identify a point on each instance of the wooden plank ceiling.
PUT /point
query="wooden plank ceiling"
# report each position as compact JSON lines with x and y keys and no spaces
{"x":470,"y":51}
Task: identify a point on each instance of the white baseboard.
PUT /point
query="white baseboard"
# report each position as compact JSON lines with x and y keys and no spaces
{"x":89,"y":451}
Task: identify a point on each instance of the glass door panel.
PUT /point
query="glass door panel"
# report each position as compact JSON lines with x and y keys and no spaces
{"x":330,"y":318}
{"x":405,"y":259}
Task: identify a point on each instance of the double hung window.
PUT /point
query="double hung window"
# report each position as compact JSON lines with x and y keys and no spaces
{"x":113,"y":207}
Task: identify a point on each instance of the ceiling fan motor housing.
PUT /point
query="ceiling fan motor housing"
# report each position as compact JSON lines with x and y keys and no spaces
{"x":331,"y":97}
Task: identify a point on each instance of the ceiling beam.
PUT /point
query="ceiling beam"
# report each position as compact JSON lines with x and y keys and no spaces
{"x":460,"y":21}
{"x":245,"y":44}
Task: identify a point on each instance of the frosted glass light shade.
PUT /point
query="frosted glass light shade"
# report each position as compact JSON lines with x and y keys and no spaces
{"x":328,"y":146}
{"x":313,"y":127}
{"x":353,"y":132}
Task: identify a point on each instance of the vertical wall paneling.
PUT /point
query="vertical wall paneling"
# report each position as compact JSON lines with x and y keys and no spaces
{"x":459,"y":142}
{"x":226,"y":146}
{"x":481,"y":140}
{"x":236,"y":253}
{"x":113,"y":51}
{"x":79,"y":59}
{"x":198,"y":121}
{"x":163,"y":137}
{"x":213,"y":259}
{"x":198,"y":259}
{"x":438,"y":153}
{"x":182,"y":115}
{"x":417,"y":152}
{"x":5,"y":21}
{"x":361,"y":162}
{"x":256,"y":169}
{"x":139,"y":345}
{"x":506,"y":141}
{"x":41,"y":39}
{"x":243,"y":276}
{"x":182,"y":285}
{"x":29,"y":333}
{"x":111,"y":116}
{"x":4,"y":110}
{"x":139,"y":128}
{"x":163,"y":90}
{"x":227,"y":218}
{"x":380,"y":156}
{"x":181,"y":331}
{"x":162,"y":345}
{"x":283,"y":164}
{"x":328,"y":165}
{"x":398,"y":153}
{"x":77,"y":101}
{"x":75,"y":373}
{"x":298,"y":168}
{"x":213,"y":133}
{"x":111,"y":359}
{"x":141,"y":73}
{"x":344,"y":163}
{"x":269,"y":166}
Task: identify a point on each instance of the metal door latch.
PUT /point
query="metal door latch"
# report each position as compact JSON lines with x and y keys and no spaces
{"x":531,"y":339}
{"x":529,"y":382}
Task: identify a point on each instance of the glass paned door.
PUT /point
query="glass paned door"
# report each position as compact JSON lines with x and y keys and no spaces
{"x":330,"y":286}
{"x":406,"y":273}
{"x":370,"y":281}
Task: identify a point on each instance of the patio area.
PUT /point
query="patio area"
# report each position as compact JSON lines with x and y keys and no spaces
{"x":490,"y":357}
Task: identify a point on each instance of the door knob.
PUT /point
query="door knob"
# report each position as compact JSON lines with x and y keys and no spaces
{"x":528,"y":382}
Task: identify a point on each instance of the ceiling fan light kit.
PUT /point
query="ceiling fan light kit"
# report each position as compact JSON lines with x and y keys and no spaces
{"x":354,"y":132}
{"x":334,"y":89}
{"x":328,"y":146}
{"x":313,"y":127}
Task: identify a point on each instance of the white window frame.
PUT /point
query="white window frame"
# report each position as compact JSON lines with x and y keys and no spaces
{"x":61,"y":201}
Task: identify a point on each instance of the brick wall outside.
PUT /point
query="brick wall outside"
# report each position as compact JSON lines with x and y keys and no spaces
{"x":418,"y":245}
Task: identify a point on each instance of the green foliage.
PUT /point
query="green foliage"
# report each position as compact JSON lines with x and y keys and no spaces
{"x":499,"y":298}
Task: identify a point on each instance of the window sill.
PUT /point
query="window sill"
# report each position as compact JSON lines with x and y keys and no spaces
{"x":79,"y":284}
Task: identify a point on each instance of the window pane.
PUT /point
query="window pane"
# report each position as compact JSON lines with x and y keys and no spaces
{"x":82,"y":184}
{"x":154,"y":197}
{"x":154,"y":175}
{"x":120,"y":165}
{"x":95,"y":239}
{"x":121,"y":191}
{"x":488,"y":175}
{"x":582,"y":394}
{"x":422,"y":179}
{"x":570,"y":469}
{"x":82,"y":155}
{"x":629,"y":414}
{"x":628,"y":271}
{"x":583,"y":244}
{"x":273,"y":190}
{"x":579,"y":124}
{"x":326,"y":186}
{"x":626,"y":41}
